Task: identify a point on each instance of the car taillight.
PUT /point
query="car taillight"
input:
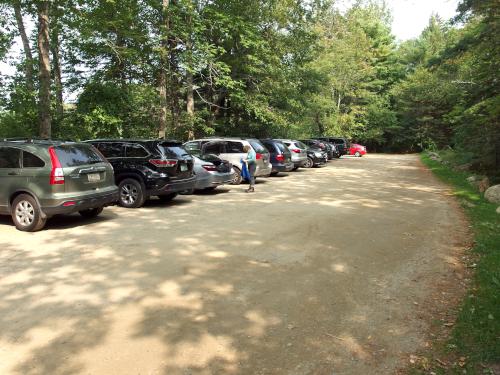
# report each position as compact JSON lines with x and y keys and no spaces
{"x":56,"y":173}
{"x":280,"y":157}
{"x":209,"y":167}
{"x":296,"y":150}
{"x":163,"y":162}
{"x":258,"y":156}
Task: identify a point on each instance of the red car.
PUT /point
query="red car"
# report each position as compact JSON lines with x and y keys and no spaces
{"x":357,"y":150}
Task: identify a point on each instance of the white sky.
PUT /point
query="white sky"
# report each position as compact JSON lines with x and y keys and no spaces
{"x":410,"y":17}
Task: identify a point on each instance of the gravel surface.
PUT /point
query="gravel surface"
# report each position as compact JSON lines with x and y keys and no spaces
{"x":325,"y":271}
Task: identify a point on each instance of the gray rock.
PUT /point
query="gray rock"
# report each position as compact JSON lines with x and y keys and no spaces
{"x":492,"y":194}
{"x":498,"y":210}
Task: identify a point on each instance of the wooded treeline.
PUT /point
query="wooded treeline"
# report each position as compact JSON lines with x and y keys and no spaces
{"x":189,"y":68}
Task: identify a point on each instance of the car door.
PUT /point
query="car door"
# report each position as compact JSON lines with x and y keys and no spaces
{"x":11,"y":178}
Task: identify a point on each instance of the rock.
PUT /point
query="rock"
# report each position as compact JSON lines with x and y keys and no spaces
{"x":435,"y":158}
{"x":471,"y":179}
{"x":498,"y":210}
{"x":492,"y":194}
{"x":469,"y":204}
{"x":464,"y":167}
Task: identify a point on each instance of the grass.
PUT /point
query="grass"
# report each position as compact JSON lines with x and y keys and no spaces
{"x":475,"y":339}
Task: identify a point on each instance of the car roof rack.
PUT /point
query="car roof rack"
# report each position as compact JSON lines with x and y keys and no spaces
{"x":35,"y":140}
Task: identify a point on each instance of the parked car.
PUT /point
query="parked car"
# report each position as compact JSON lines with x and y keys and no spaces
{"x":211,"y":171}
{"x":145,"y":168}
{"x":42,"y":178}
{"x":316,"y":157}
{"x":231,"y":149}
{"x":298,"y":150}
{"x":357,"y":150}
{"x":341,"y":143}
{"x":323,"y":145}
{"x":280,"y":156}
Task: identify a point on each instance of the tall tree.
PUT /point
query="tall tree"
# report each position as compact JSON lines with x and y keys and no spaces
{"x":44,"y":113}
{"x":16,"y":4}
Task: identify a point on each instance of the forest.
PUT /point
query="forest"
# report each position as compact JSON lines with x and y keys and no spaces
{"x":263,"y":68}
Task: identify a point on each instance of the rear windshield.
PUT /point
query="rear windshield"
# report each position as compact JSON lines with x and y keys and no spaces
{"x":257,"y":146}
{"x":282,"y":147}
{"x":209,"y":157}
{"x":301,"y":145}
{"x":173,"y":150}
{"x":77,"y":155}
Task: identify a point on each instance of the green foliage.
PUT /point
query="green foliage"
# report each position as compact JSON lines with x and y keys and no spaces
{"x":475,"y":334}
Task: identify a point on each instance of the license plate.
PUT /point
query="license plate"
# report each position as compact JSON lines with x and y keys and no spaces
{"x":93,"y":177}
{"x":184,"y":167}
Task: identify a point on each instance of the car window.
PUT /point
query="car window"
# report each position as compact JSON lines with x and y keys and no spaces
{"x":288,"y":144}
{"x":300,"y":145}
{"x":234,"y":147}
{"x":282,"y":147}
{"x":269,"y":146}
{"x":111,"y":150}
{"x":134,"y":150}
{"x":10,"y":157}
{"x":77,"y":155}
{"x":212,"y":148}
{"x":192,"y":146}
{"x":32,"y":161}
{"x":257,"y":146}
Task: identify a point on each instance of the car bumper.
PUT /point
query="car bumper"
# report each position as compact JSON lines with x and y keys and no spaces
{"x":263,"y":171}
{"x":282,"y":167}
{"x":213,"y":180}
{"x":175,"y":186}
{"x":69,"y":206}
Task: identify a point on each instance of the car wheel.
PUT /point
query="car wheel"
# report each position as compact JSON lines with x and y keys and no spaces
{"x":211,"y":188}
{"x":357,"y":154}
{"x":237,"y":179}
{"x":167,"y":197}
{"x":273,"y":174}
{"x":295,"y":168}
{"x":26,"y":214}
{"x":309,"y":163}
{"x":131,"y":193}
{"x":91,"y":212}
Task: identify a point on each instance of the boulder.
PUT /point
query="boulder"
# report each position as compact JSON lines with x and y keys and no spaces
{"x":463,"y":167}
{"x":472,"y":179}
{"x":492,"y":194}
{"x":498,"y":210}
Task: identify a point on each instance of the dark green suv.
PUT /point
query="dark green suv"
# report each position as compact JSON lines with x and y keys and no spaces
{"x":41,"y":178}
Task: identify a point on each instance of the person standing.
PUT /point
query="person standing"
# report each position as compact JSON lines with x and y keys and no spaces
{"x":251,"y":161}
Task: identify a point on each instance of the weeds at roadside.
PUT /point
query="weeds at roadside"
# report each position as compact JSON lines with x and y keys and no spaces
{"x":474,"y":344}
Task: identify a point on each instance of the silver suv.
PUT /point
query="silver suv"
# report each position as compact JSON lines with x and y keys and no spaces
{"x":231,"y":149}
{"x":298,"y":150}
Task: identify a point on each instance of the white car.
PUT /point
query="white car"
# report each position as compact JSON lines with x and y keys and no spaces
{"x":298,"y":150}
{"x":231,"y":149}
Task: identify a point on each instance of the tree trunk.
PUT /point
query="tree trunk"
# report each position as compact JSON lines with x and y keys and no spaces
{"x":57,"y":73}
{"x":26,"y":46}
{"x":162,"y":81}
{"x":189,"y":79}
{"x":44,"y":67}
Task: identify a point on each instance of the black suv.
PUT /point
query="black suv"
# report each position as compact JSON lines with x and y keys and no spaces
{"x":330,"y":149}
{"x":42,"y":178}
{"x":341,"y":143}
{"x":145,"y":168}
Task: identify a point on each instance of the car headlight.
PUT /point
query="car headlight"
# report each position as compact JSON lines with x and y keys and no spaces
{"x":318,"y":154}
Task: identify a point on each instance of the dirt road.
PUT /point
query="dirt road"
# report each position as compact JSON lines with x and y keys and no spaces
{"x":325,"y":271}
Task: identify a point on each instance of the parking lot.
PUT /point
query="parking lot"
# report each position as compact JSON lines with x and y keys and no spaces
{"x":323,"y":271}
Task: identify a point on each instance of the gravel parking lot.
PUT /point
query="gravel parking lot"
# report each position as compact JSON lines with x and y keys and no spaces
{"x":323,"y":271}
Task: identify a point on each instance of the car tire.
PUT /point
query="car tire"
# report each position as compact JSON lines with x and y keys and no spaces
{"x":91,"y":212}
{"x":274,"y":174}
{"x":26,"y":214}
{"x":131,"y":193}
{"x":237,"y":177}
{"x":295,"y":168}
{"x":357,"y":154}
{"x":309,"y":163}
{"x":167,"y":197}
{"x":210,"y":188}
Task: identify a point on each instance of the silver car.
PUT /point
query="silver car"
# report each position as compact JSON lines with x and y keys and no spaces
{"x":211,"y":171}
{"x":298,"y":150}
{"x":231,"y":149}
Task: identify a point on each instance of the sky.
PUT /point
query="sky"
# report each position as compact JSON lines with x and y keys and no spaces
{"x":410,"y":17}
